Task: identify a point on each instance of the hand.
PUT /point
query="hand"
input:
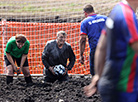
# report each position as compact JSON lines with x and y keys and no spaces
{"x":81,"y":60}
{"x":92,"y":87}
{"x":66,"y":70}
{"x":14,"y":68}
{"x":52,"y":70}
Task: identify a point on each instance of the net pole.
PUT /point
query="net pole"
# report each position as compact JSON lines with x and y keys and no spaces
{"x":3,"y":43}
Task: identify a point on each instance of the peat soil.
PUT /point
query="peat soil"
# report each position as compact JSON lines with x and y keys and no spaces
{"x":71,"y":91}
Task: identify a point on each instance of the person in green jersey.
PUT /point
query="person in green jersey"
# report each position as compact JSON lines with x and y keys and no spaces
{"x":17,"y":49}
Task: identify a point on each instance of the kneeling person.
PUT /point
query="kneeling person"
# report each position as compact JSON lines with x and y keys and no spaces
{"x":54,"y":58}
{"x":16,"y":50}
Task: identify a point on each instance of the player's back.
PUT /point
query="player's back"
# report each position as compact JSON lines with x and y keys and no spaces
{"x":93,"y":25}
{"x":121,"y":59}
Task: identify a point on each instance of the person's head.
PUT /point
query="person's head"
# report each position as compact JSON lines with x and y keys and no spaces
{"x":61,"y":37}
{"x":20,"y":40}
{"x":88,"y":9}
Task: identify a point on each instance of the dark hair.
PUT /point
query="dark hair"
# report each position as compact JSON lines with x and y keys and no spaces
{"x":20,"y":38}
{"x":88,"y":9}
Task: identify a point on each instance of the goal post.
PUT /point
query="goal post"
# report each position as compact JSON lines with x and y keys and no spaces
{"x":40,"y":20}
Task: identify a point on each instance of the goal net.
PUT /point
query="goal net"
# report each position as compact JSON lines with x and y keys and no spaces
{"x":40,"y":20}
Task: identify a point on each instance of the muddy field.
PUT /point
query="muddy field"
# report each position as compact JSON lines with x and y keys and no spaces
{"x":48,"y":11}
{"x":71,"y":91}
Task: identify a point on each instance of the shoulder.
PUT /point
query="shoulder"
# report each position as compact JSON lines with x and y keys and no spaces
{"x":86,"y":19}
{"x":117,"y":10}
{"x":11,"y":40}
{"x":120,"y":13}
{"x":101,"y":16}
{"x":27,"y":42}
{"x":68,"y":45}
{"x":50,"y":42}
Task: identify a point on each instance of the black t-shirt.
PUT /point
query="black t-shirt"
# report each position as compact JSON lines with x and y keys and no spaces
{"x":53,"y":55}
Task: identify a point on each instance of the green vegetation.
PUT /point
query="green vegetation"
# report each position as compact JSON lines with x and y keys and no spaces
{"x":6,"y":4}
{"x":50,"y":6}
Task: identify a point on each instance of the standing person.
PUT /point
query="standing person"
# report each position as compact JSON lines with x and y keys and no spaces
{"x":56,"y":53}
{"x":116,"y":58}
{"x":17,"y":50}
{"x":91,"y":27}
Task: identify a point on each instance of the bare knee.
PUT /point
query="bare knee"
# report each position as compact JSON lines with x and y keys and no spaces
{"x":26,"y":71}
{"x":9,"y":70}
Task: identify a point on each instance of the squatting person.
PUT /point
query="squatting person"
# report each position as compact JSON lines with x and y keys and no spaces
{"x":116,"y":57}
{"x":56,"y":53}
{"x":91,"y":27}
{"x":17,"y":49}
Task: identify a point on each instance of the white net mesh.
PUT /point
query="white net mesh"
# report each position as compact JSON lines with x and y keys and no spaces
{"x":40,"y":20}
{"x":52,"y":11}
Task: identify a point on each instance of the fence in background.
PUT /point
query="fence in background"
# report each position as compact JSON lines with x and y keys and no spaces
{"x":48,"y":17}
{"x":38,"y":34}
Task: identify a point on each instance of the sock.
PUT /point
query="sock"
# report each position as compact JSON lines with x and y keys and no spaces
{"x":28,"y":79}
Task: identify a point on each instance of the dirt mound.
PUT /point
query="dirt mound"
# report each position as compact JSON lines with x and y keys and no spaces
{"x":70,"y":91}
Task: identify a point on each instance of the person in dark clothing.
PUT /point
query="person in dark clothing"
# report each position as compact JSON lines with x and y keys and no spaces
{"x":56,"y":52}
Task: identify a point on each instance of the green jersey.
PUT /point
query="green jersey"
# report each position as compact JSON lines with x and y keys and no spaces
{"x":13,"y":49}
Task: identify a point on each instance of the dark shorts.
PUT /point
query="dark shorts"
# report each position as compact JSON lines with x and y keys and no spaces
{"x":18,"y":61}
{"x":49,"y":77}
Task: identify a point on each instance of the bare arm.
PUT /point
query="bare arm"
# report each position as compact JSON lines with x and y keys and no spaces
{"x":82,"y":47}
{"x":100,"y":55}
{"x":9,"y":57}
{"x":23,"y":60}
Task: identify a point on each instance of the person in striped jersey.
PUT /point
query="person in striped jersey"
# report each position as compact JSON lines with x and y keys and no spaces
{"x":116,"y":59}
